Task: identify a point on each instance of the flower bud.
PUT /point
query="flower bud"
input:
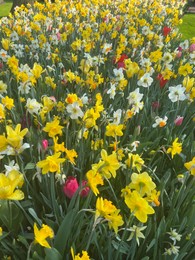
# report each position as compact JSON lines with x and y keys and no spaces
{"x":178,"y":121}
{"x":44,"y":144}
{"x":85,"y":190}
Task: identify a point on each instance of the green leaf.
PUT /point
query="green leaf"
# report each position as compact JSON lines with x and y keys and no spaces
{"x":52,"y":253}
{"x":34,"y":215}
{"x":64,"y":231}
{"x":30,"y":166}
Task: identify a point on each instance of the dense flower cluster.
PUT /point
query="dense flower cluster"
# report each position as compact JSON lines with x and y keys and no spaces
{"x":96,"y":118}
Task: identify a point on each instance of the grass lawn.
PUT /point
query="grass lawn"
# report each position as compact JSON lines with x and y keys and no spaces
{"x":187,"y":28}
{"x":5,"y":8}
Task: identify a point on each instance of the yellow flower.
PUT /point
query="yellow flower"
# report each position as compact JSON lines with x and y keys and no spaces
{"x":115,"y":220}
{"x":94,"y":179}
{"x":134,"y":161}
{"x":176,"y":148}
{"x":71,"y":98}
{"x":2,"y":112}
{"x":156,"y":55}
{"x":142,"y":183}
{"x":42,"y":234}
{"x":190,"y":166}
{"x":51,"y":163}
{"x":9,"y":185}
{"x":8,"y":102}
{"x":84,"y":256}
{"x":58,"y":147}
{"x":71,"y":155}
{"x":3,"y":143}
{"x":114,"y":130}
{"x":154,"y":197}
{"x":105,"y":208}
{"x":53,"y":128}
{"x":138,"y":206}
{"x":185,"y":69}
{"x":1,"y":231}
{"x":37,"y":70}
{"x":90,"y":117}
{"x":5,"y":44}
{"x":15,"y":137}
{"x":108,"y":165}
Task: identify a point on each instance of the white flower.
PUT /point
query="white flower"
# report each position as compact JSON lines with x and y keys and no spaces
{"x":176,"y":93}
{"x":3,"y":55}
{"x":145,"y":62}
{"x":118,"y":74}
{"x":107,"y":48}
{"x":184,"y":45}
{"x":137,"y":106}
{"x":135,"y":144}
{"x":145,"y":30}
{"x":74,"y":110}
{"x":33,"y":106}
{"x":174,"y":235}
{"x":12,"y":166}
{"x":134,"y":97}
{"x":84,"y":99}
{"x":136,"y":231}
{"x":112,"y":91}
{"x":145,"y":81}
{"x":172,"y":250}
{"x":117,"y":116}
{"x":24,"y":87}
{"x":161,"y":122}
{"x":167,"y":57}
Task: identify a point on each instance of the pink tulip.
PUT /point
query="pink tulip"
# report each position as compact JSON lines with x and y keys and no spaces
{"x":44,"y":144}
{"x":85,"y":190}
{"x":178,"y":121}
{"x":192,"y":47}
{"x":70,"y":187}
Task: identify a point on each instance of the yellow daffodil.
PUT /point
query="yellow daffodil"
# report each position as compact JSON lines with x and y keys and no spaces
{"x":134,"y":161}
{"x":190,"y":166}
{"x":142,"y":183}
{"x":3,"y":143}
{"x":37,"y":70}
{"x":106,"y":209}
{"x":9,"y":186}
{"x":94,"y":179}
{"x":114,"y":130}
{"x":8,"y":102}
{"x":51,"y":163}
{"x":15,"y":137}
{"x":53,"y":128}
{"x":139,"y":206}
{"x":71,"y":155}
{"x":84,"y":255}
{"x":108,"y":164}
{"x":176,"y":148}
{"x":42,"y":234}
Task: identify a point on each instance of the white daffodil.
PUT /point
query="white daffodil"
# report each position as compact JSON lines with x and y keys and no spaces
{"x":145,"y":81}
{"x":136,"y":232}
{"x":33,"y":106}
{"x":74,"y":110}
{"x":177,"y":93}
{"x":159,"y":121}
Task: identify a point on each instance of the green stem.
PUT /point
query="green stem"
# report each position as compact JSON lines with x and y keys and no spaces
{"x":29,"y":249}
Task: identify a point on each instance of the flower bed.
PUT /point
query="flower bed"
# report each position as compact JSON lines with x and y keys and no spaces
{"x":97,"y":131}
